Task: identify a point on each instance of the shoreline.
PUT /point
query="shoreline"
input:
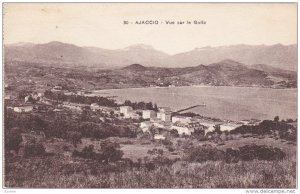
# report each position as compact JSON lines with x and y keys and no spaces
{"x":177,"y":88}
{"x":196,"y":86}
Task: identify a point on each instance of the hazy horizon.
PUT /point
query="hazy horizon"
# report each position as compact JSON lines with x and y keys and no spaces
{"x":102,"y":25}
{"x":208,"y":46}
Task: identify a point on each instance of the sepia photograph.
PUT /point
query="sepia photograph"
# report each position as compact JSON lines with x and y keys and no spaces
{"x":150,"y":95}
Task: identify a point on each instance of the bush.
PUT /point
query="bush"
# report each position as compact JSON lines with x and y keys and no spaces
{"x":267,"y":127}
{"x":205,"y":153}
{"x":260,"y":152}
{"x":32,"y":150}
{"x":109,"y":152}
{"x":245,"y":153}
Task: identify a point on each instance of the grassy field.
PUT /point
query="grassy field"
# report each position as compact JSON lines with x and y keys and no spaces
{"x":253,"y":174}
{"x":64,"y":171}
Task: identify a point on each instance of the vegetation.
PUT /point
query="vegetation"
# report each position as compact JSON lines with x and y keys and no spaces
{"x":102,"y":101}
{"x":34,"y":149}
{"x":281,"y":129}
{"x":141,"y":105}
{"x":55,"y":173}
{"x":245,"y":153}
{"x":13,"y":139}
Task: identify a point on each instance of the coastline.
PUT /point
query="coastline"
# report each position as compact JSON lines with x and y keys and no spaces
{"x":198,"y":86}
{"x":252,"y":99}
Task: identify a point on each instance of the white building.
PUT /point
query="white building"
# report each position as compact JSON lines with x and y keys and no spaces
{"x":187,"y":129}
{"x":132,"y":115}
{"x":95,"y":107}
{"x":26,"y":99}
{"x":165,"y":116}
{"x":57,"y":87}
{"x":40,"y":94}
{"x":145,"y":126}
{"x":148,"y":114}
{"x":74,"y":106}
{"x":159,"y":137}
{"x":181,"y":119}
{"x":228,"y":126}
{"x":67,"y":93}
{"x":126,"y":110}
{"x":21,"y":109}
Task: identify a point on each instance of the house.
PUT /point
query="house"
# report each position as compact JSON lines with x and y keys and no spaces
{"x":27,"y":98}
{"x":95,"y":107}
{"x":7,"y":97}
{"x":165,"y":116}
{"x":80,"y":93}
{"x":56,"y":89}
{"x":148,"y":114}
{"x":67,"y":93}
{"x":160,"y":124}
{"x":40,"y":94}
{"x":46,"y":101}
{"x":145,"y":125}
{"x":74,"y":106}
{"x":159,"y":137}
{"x":126,"y":110}
{"x":21,"y":109}
{"x":187,"y":129}
{"x":228,"y":126}
{"x":132,"y":115}
{"x":181,"y":119}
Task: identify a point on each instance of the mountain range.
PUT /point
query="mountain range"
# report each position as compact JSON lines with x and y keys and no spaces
{"x":224,"y":73}
{"x":58,"y":53}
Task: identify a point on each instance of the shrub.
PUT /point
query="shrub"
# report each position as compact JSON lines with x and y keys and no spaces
{"x":111,"y":151}
{"x":245,"y":153}
{"x":32,"y":150}
{"x":205,"y":153}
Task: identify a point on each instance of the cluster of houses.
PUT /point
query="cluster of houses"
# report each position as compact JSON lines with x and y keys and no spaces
{"x":162,"y":119}
{"x":182,"y":124}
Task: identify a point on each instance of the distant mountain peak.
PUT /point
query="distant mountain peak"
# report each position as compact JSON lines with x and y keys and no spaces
{"x":227,"y":63}
{"x":135,"y":67}
{"x":139,"y":46}
{"x":230,"y":61}
{"x":58,"y":43}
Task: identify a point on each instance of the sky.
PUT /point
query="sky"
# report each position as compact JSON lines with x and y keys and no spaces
{"x":102,"y":24}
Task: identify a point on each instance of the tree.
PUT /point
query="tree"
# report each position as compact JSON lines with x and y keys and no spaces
{"x":217,"y":129}
{"x":155,"y":107}
{"x":111,"y":151}
{"x":276,"y":119}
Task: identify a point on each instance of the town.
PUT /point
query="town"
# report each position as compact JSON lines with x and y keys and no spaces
{"x":162,"y":118}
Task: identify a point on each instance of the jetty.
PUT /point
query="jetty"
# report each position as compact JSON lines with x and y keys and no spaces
{"x":181,"y":110}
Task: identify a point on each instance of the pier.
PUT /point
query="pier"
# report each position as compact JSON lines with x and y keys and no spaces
{"x":181,"y":110}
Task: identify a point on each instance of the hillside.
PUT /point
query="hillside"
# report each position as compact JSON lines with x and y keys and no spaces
{"x":58,"y":53}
